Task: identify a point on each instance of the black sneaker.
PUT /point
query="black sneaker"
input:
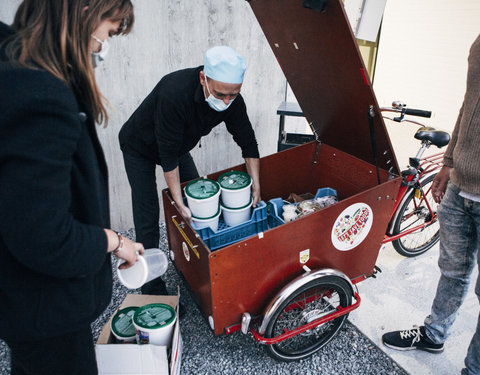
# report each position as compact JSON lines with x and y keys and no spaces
{"x":157,"y":287}
{"x":411,"y":339}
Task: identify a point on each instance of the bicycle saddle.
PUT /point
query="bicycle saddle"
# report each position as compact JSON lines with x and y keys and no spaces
{"x":437,"y":137}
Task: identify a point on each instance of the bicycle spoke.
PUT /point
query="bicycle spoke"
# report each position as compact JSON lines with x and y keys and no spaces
{"x":418,"y":213}
{"x":306,"y":308}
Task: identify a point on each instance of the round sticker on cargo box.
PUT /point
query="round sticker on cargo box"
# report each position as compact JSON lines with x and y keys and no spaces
{"x":352,"y":226}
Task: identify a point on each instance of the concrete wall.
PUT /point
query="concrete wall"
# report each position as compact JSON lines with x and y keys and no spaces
{"x":422,"y":60}
{"x":170,"y":35}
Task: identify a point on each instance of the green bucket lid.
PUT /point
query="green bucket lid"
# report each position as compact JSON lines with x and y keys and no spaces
{"x":234,"y":180}
{"x":154,"y":315}
{"x":202,"y":188}
{"x":122,"y":322}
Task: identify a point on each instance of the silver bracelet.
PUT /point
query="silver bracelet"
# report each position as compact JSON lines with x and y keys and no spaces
{"x":120,"y":244}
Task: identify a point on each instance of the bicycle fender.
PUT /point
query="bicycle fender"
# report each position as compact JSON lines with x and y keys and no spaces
{"x":408,"y":193}
{"x":291,"y":287}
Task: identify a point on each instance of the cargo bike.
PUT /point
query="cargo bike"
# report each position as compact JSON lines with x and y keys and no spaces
{"x":291,"y":285}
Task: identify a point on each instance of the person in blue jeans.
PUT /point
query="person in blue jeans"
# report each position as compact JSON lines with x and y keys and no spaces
{"x":457,"y":188}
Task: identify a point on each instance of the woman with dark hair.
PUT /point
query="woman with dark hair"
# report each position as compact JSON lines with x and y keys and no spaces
{"x":55,"y":241}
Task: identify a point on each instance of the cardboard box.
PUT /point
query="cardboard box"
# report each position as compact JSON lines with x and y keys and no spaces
{"x":133,"y":359}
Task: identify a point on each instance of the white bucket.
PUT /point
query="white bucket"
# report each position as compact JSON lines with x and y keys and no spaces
{"x":236,"y":189}
{"x":151,"y":265}
{"x":203,"y":205}
{"x":154,"y":324}
{"x":122,"y":326}
{"x":236,"y":216}
{"x":211,"y":222}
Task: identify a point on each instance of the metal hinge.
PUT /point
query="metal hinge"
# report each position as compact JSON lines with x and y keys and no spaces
{"x":314,"y":131}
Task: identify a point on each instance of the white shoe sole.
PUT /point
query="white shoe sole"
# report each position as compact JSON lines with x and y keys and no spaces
{"x":430,"y":350}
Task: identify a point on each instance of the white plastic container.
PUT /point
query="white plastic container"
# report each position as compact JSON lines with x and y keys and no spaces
{"x":211,"y":222}
{"x":236,"y":216}
{"x":154,"y":324}
{"x":151,"y":265}
{"x":236,"y":189}
{"x":203,"y":197}
{"x":289,"y":212}
{"x":122,"y":326}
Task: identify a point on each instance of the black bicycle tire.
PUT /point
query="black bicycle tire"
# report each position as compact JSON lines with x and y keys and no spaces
{"x":333,"y":282}
{"x":398,"y":244}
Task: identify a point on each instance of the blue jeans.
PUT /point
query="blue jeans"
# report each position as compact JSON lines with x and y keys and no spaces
{"x":459,"y":243}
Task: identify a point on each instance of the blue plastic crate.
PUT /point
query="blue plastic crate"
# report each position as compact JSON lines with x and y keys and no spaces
{"x":275,"y":211}
{"x":226,"y":235}
{"x":275,"y":207}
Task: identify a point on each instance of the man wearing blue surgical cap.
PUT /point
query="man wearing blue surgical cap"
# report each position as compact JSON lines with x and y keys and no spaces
{"x":184,"y":106}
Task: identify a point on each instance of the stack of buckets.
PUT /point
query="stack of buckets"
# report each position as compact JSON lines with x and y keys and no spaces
{"x":203,"y":197}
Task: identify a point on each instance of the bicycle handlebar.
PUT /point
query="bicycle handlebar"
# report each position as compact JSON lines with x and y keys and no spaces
{"x":401,"y":108}
{"x":418,"y":112}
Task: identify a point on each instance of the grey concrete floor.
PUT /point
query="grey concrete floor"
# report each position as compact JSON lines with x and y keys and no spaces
{"x":400,"y":297}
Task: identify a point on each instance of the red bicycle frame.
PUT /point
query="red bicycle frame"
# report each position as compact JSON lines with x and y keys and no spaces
{"x":288,"y":334}
{"x":427,"y":165}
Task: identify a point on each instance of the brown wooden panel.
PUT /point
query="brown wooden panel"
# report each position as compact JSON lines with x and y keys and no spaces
{"x":246,"y":275}
{"x":285,"y":171}
{"x":344,"y":172}
{"x":195,"y":269}
{"x":294,"y":171}
{"x":321,"y":61}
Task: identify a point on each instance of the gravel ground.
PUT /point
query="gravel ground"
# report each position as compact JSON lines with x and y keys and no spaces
{"x":350,"y":352}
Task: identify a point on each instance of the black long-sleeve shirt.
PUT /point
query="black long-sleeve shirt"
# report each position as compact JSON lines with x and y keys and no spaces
{"x":174,"y":116}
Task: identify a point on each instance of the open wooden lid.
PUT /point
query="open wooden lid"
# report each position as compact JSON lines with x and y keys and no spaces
{"x":319,"y":56}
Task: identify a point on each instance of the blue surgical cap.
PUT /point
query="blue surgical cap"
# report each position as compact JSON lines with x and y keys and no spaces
{"x":224,"y":64}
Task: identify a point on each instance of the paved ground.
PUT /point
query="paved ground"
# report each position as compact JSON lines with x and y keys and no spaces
{"x":400,"y":297}
{"x":350,"y":352}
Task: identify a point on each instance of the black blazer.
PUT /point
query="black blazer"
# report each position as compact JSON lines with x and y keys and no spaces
{"x":5,"y":31}
{"x":55,"y":274}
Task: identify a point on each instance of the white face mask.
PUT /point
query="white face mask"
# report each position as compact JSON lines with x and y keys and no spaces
{"x":214,"y":103}
{"x":99,"y":56}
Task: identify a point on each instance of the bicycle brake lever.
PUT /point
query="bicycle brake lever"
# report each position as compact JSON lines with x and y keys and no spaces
{"x":400,"y":118}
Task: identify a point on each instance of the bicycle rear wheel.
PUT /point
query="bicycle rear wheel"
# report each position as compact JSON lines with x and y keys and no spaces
{"x":310,"y":302}
{"x":417,"y":209}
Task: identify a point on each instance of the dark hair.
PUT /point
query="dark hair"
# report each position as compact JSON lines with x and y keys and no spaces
{"x":55,"y":35}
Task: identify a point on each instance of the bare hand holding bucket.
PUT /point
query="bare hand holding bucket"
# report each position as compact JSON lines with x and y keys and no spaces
{"x":172,"y":179}
{"x":123,"y":248}
{"x":186,"y":213}
{"x":150,"y":265}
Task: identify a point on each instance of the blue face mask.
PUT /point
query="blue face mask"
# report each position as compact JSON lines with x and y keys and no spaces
{"x":214,"y":103}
